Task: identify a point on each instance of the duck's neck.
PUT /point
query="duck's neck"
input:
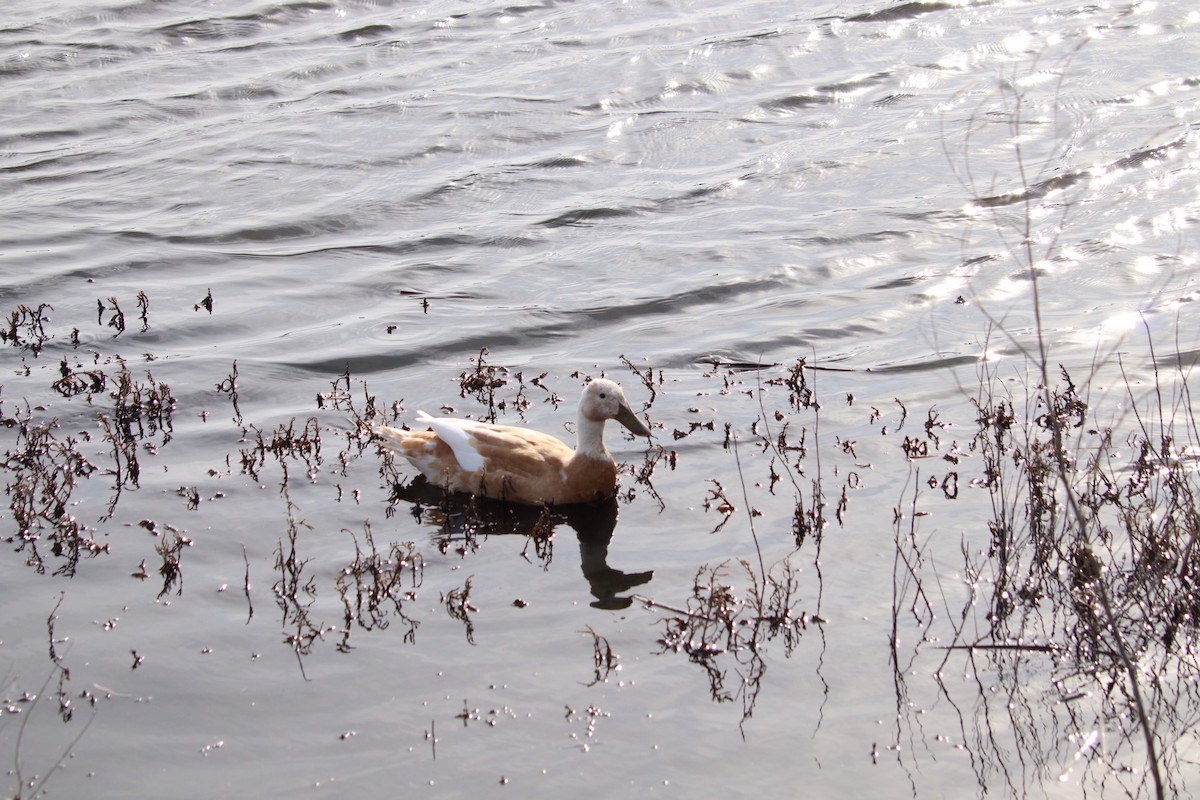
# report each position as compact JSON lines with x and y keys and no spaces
{"x":589,"y":439}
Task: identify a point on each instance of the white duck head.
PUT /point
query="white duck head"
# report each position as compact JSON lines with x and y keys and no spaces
{"x":603,"y":400}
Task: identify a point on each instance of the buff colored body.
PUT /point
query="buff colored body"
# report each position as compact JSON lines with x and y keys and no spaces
{"x":517,"y":464}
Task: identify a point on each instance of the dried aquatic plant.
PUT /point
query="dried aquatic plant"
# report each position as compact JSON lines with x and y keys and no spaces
{"x":484,"y":381}
{"x":295,"y":591}
{"x":721,"y":629}
{"x":288,"y":443}
{"x":170,"y":549}
{"x":44,"y":468}
{"x":458,"y":605}
{"x":1088,"y":578}
{"x":375,"y":586}
{"x":25,"y":328}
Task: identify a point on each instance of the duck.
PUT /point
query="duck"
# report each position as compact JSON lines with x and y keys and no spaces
{"x":520,"y":465}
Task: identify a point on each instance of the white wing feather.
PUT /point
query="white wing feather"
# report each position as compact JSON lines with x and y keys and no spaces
{"x":457,"y":434}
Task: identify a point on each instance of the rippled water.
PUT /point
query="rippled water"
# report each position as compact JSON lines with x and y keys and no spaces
{"x":301,"y":189}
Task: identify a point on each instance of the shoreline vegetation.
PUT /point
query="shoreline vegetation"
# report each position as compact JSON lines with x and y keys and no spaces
{"x":1063,"y":642}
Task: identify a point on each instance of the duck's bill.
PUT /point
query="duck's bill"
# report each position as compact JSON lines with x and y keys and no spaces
{"x":626,"y":417}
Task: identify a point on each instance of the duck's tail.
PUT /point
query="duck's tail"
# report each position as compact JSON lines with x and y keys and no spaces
{"x":393,"y":438}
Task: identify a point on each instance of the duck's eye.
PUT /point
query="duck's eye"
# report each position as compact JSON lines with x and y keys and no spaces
{"x":603,"y":396}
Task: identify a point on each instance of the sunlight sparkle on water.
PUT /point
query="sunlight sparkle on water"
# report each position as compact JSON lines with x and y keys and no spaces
{"x":1120,"y":323}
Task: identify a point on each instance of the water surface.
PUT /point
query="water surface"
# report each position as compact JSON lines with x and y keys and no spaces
{"x":302,"y":192}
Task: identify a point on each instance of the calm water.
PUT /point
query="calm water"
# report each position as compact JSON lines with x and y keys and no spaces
{"x":268,"y":195}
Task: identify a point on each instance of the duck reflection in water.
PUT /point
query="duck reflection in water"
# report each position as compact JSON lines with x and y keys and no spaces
{"x":465,"y":517}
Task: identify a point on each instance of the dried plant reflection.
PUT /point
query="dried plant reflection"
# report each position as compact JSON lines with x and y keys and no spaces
{"x":604,"y":661}
{"x":25,"y":707}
